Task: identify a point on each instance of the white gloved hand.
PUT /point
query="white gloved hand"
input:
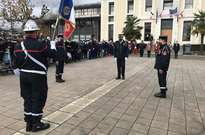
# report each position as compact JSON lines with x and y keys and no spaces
{"x":53,"y":45}
{"x":115,"y":59}
{"x":126,"y":58}
{"x":17,"y":72}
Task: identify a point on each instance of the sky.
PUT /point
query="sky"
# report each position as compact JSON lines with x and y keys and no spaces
{"x":54,"y":4}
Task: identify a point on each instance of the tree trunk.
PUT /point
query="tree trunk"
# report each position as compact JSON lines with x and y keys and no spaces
{"x":202,"y":44}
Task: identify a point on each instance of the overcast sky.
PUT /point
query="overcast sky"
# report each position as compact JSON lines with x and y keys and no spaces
{"x":55,"y":3}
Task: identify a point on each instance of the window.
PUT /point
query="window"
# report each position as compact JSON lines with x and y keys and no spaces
{"x":148,"y":5}
{"x":188,"y":4}
{"x":166,"y":24}
{"x":111,"y":8}
{"x":110,"y":31}
{"x":147,"y":31}
{"x":168,"y":4}
{"x":111,"y":12}
{"x":187,"y":31}
{"x":130,"y":6}
{"x":111,"y":18}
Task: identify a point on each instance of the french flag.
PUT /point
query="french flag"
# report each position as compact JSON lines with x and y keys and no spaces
{"x":67,"y":12}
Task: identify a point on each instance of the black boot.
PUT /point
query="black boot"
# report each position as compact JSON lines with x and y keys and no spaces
{"x":28,"y":120}
{"x":118,"y":78}
{"x":123,"y":77}
{"x":59,"y":79}
{"x":40,"y":126}
{"x":161,"y":94}
{"x":28,"y":126}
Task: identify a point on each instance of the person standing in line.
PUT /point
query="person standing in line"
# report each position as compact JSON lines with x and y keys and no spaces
{"x":60,"y":58}
{"x":121,"y":52}
{"x":149,"y":48}
{"x":176,"y":49}
{"x":142,"y":47}
{"x":162,"y":65}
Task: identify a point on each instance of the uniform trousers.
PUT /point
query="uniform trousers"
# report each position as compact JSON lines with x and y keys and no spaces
{"x":59,"y":67}
{"x":34,"y":91}
{"x":121,"y":67}
{"x":162,"y":78}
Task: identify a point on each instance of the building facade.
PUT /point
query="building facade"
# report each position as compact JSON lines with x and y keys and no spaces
{"x":87,"y":22}
{"x":158,"y":17}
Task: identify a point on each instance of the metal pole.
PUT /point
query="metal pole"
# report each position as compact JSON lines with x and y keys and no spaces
{"x":56,"y":25}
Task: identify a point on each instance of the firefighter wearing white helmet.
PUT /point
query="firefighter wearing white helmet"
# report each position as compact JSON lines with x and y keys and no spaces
{"x":31,"y":26}
{"x":31,"y":59}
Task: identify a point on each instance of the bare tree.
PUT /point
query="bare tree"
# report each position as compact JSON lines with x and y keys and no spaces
{"x":19,"y":11}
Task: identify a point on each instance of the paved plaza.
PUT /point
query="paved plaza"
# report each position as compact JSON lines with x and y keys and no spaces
{"x":92,"y":102}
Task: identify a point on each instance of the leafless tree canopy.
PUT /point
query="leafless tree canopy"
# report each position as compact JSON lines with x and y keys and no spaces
{"x":19,"y":10}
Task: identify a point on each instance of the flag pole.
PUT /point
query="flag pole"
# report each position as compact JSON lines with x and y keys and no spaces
{"x":56,"y":25}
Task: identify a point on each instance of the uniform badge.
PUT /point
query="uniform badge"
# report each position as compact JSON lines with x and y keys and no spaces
{"x":66,"y":10}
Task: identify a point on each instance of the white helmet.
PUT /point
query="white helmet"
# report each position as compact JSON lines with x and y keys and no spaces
{"x":31,"y":26}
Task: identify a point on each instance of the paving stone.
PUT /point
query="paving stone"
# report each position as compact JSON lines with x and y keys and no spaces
{"x":65,"y":128}
{"x":17,"y":126}
{"x":174,"y":133}
{"x":109,"y":121}
{"x":143,"y":121}
{"x":140,"y":128}
{"x":102,"y":128}
{"x":177,"y":128}
{"x":155,"y":131}
{"x":119,"y":131}
{"x":124,"y":124}
{"x":80,"y":131}
{"x":89,"y":123}
{"x":58,"y":117}
{"x":7,"y":131}
{"x":74,"y":121}
{"x":135,"y":133}
{"x":159,"y":125}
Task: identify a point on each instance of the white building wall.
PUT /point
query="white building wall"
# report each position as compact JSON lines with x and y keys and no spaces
{"x":139,"y":11}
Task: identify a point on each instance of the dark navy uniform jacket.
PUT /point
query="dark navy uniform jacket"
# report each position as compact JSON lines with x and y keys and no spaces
{"x":121,"y":50}
{"x":38,"y":50}
{"x":61,"y":52}
{"x":163,"y":58}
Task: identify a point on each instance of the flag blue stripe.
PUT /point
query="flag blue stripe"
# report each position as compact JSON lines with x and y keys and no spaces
{"x":65,"y":8}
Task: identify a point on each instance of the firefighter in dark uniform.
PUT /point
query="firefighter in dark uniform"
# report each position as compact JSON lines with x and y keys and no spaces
{"x":162,"y":65}
{"x":30,"y":58}
{"x":121,"y":55}
{"x":60,"y":58}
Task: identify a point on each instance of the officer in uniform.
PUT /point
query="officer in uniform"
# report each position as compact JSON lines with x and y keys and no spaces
{"x":121,"y":55}
{"x":60,"y":59}
{"x":30,"y":58}
{"x":176,"y":49}
{"x":162,"y":65}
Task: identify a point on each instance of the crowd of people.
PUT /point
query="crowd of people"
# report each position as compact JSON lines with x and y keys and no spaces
{"x":86,"y":49}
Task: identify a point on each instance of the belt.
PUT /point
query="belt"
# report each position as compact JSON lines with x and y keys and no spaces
{"x":33,"y":71}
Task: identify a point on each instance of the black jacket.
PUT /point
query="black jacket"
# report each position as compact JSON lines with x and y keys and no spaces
{"x":176,"y":47}
{"x":121,"y":49}
{"x":163,"y":58}
{"x":40,"y":51}
{"x":61,"y":52}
